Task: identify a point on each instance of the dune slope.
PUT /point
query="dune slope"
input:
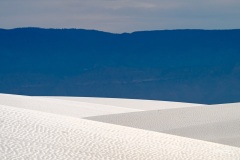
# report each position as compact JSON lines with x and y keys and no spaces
{"x":85,"y":107}
{"x":28,"y":134}
{"x":62,"y":107}
{"x":130,"y":103}
{"x":215,"y":123}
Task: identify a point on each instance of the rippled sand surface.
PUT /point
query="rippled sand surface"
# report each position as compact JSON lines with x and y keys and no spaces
{"x":27,"y":134}
{"x":52,"y":128}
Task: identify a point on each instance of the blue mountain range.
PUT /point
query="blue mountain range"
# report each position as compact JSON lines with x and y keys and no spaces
{"x":201,"y":66}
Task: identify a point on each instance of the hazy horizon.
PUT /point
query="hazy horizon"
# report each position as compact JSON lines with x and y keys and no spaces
{"x":118,"y":16}
{"x":196,"y":29}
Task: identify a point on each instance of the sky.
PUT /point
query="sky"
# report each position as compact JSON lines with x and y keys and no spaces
{"x":118,"y":16}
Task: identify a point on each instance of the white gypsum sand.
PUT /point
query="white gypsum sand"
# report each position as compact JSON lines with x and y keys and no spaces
{"x":28,"y":134}
{"x":130,"y":103}
{"x":215,"y":123}
{"x":62,"y":107}
{"x":79,"y":109}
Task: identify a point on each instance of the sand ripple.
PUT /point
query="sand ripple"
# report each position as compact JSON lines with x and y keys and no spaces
{"x":27,"y":134}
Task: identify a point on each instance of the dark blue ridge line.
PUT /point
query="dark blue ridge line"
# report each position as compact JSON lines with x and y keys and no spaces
{"x":201,"y":66}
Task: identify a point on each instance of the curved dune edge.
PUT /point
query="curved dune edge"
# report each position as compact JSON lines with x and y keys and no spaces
{"x":61,"y":107}
{"x":85,"y":107}
{"x":139,"y":104}
{"x":27,"y":134}
{"x":215,"y":123}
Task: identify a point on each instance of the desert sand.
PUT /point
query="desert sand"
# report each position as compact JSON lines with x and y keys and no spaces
{"x":131,"y":103}
{"x":215,"y":123}
{"x":62,"y":107}
{"x":73,"y":107}
{"x":51,"y":128}
{"x":27,"y":134}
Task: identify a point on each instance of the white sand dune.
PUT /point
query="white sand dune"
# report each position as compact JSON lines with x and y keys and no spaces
{"x":86,"y":107}
{"x":28,"y":134}
{"x":131,"y":103}
{"x":215,"y":123}
{"x":51,"y":128}
{"x":62,"y":107}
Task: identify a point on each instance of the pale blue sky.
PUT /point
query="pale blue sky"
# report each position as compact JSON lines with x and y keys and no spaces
{"x":121,"y":15}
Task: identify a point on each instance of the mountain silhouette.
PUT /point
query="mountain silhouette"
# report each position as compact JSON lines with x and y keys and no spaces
{"x":201,"y":66}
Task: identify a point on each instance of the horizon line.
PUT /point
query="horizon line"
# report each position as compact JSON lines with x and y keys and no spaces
{"x":154,"y":30}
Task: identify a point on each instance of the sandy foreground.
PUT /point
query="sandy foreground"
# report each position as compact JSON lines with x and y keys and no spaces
{"x":215,"y":123}
{"x":44,"y":128}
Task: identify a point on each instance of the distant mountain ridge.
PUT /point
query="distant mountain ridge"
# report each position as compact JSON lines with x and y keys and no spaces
{"x":201,"y":66}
